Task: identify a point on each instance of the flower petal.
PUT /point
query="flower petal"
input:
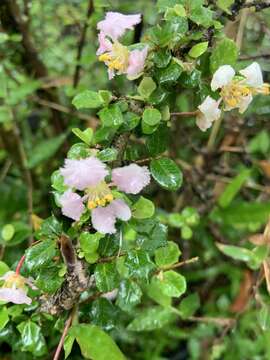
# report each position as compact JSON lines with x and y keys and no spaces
{"x":83,"y":172}
{"x":131,"y":179}
{"x":104,"y":44}
{"x":209,"y":112}
{"x":253,"y":74}
{"x":103,"y":220}
{"x":72,"y":205}
{"x":136,"y":62}
{"x":16,"y":296}
{"x":244,"y":103}
{"x":120,"y":209}
{"x":222,"y":77}
{"x":115,"y":24}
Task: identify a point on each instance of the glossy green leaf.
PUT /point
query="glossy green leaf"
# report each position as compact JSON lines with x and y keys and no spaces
{"x":87,"y":99}
{"x":106,"y":276}
{"x":151,"y":319}
{"x":40,"y":255}
{"x":95,"y":344}
{"x":4,"y":318}
{"x":170,"y":74}
{"x":151,"y":117}
{"x":86,"y":135}
{"x":7,"y":232}
{"x":224,"y":53}
{"x":167,"y":255}
{"x":32,"y":338}
{"x":111,"y":116}
{"x":139,"y":264}
{"x":172,"y":284}
{"x":166,"y":173}
{"x":189,"y":305}
{"x":198,"y":49}
{"x":129,"y":295}
{"x":146,"y":87}
{"x":143,"y":208}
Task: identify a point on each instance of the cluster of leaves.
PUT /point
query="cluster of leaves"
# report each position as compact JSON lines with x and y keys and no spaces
{"x":150,"y":294}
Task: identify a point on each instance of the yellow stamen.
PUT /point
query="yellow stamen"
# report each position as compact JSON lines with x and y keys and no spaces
{"x":109,"y":197}
{"x":91,"y":204}
{"x":105,"y":57}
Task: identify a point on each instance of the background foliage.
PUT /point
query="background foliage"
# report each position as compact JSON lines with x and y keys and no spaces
{"x":192,"y":277}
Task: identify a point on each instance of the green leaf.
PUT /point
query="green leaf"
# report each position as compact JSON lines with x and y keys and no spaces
{"x":143,"y":208}
{"x":3,"y":268}
{"x":233,"y":188}
{"x":40,"y":254}
{"x":95,"y":344}
{"x":166,"y":173}
{"x":225,"y":5}
{"x":162,"y":58}
{"x":32,"y":338}
{"x":4,"y":318}
{"x":106,"y":276}
{"x":104,"y":314}
{"x":189,"y":305}
{"x":68,"y":344}
{"x":111,"y":116}
{"x":163,"y":5}
{"x":48,"y":279}
{"x":146,"y":87}
{"x":224,"y":53}
{"x":157,"y":143}
{"x":58,"y":182}
{"x":236,"y":252}
{"x":139,"y":264}
{"x":106,"y":96}
{"x":198,"y":49}
{"x":264,"y":318}
{"x":172,"y":284}
{"x":44,"y":150}
{"x":198,"y":13}
{"x":170,"y":74}
{"x":154,"y":292}
{"x":151,"y":117}
{"x":7,"y":232}
{"x":107,"y":155}
{"x":87,"y":100}
{"x":86,"y":135}
{"x":260,"y":143}
{"x":151,"y":319}
{"x":131,"y":120}
{"x":51,"y":228}
{"x":167,"y":255}
{"x":90,"y":242}
{"x":129,"y":295}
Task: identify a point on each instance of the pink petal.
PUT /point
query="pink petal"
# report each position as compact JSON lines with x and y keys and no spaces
{"x":104,"y":44}
{"x":83,"y":173}
{"x":115,"y":24}
{"x":16,"y":296}
{"x":7,"y":275}
{"x":103,"y":220}
{"x":136,"y":61}
{"x":72,"y":205}
{"x":120,"y":209}
{"x":132,"y":178}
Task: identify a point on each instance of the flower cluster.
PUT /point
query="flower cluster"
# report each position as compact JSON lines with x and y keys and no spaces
{"x":89,"y":175}
{"x":116,"y":56}
{"x":236,"y":92}
{"x":14,"y":288}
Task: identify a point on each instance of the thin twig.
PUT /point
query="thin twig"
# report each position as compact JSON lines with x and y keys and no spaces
{"x":254,"y":57}
{"x":213,"y":320}
{"x":185,"y":113}
{"x":5,"y":170}
{"x":81,"y":42}
{"x":61,"y":342}
{"x":179,"y":264}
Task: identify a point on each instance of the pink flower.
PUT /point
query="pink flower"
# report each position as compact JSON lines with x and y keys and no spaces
{"x":14,"y":289}
{"x":115,"y":24}
{"x":131,"y":179}
{"x":105,"y":44}
{"x":136,"y":62}
{"x":83,"y":173}
{"x":104,"y":218}
{"x":72,"y":205}
{"x":16,"y":296}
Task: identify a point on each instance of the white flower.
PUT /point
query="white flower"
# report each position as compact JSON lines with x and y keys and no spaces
{"x":14,"y":289}
{"x":223,"y":76}
{"x":238,"y":92}
{"x":253,"y":75}
{"x":208,"y":112}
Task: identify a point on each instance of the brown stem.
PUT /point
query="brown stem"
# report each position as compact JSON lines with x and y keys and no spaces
{"x":177,"y":265}
{"x":81,"y":42}
{"x":66,"y":328}
{"x":185,"y":113}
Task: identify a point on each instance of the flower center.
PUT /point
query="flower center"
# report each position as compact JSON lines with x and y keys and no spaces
{"x":264,"y":89}
{"x":117,"y":58}
{"x":14,"y":280}
{"x":99,"y":195}
{"x":234,"y":93}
